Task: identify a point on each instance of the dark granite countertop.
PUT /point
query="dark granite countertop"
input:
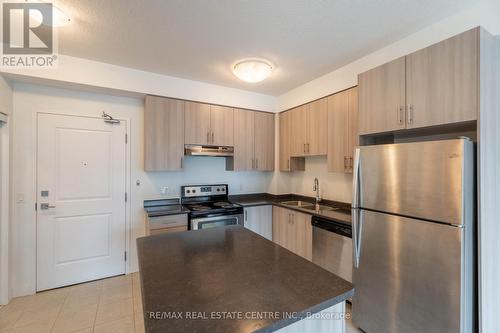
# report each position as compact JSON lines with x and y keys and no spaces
{"x":163,"y":207}
{"x":342,"y":214}
{"x":166,"y":210}
{"x":209,"y":273}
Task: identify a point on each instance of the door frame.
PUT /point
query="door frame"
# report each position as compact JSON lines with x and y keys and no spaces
{"x":5,"y":251}
{"x":128,"y":175}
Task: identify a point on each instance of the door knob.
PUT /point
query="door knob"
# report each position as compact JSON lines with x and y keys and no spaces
{"x":45,"y":206}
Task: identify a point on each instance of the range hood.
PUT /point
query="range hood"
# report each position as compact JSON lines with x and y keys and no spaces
{"x":198,"y":150}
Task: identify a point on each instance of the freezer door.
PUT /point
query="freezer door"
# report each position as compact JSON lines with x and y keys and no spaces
{"x":429,"y":180}
{"x":408,"y":278}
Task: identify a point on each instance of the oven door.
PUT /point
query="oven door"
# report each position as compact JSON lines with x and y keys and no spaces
{"x":215,"y":221}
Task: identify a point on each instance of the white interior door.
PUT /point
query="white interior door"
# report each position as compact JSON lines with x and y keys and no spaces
{"x":81,"y":175}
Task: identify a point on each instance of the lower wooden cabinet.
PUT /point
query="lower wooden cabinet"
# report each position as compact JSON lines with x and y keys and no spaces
{"x":293,"y":231}
{"x":259,"y":219}
{"x":166,"y":224}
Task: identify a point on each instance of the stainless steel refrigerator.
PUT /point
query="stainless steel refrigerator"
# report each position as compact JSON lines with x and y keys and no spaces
{"x":413,"y":237}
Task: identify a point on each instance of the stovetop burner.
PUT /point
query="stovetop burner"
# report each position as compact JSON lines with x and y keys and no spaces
{"x":198,"y":208}
{"x":224,"y":204}
{"x":206,"y":206}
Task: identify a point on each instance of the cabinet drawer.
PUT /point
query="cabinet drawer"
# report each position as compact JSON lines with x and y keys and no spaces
{"x":165,"y":222}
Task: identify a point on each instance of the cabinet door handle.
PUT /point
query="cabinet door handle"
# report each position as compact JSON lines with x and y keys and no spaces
{"x":400,"y":115}
{"x":182,"y":162}
{"x":256,"y":163}
{"x":246,"y":215}
{"x":213,"y":137}
{"x":410,"y":114}
{"x":345,"y":162}
{"x":253,"y":164}
{"x":208,"y":137}
{"x":304,"y":148}
{"x":308,"y":148}
{"x":288,"y":164}
{"x":350,"y":162}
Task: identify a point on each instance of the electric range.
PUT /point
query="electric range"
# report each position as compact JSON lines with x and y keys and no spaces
{"x":209,"y":206}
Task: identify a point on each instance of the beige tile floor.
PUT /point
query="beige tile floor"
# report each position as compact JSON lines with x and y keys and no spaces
{"x":110,"y":305}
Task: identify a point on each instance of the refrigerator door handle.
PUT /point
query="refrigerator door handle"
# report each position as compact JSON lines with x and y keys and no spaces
{"x":355,"y":179}
{"x":357,"y":228}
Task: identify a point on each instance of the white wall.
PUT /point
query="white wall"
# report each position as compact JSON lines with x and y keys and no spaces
{"x":29,"y":99}
{"x":5,"y":107}
{"x":486,"y":13}
{"x":78,"y":72}
{"x":333,"y":186}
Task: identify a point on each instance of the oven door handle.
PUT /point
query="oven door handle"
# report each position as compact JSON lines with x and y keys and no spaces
{"x":195,"y":222}
{"x":215,"y":218}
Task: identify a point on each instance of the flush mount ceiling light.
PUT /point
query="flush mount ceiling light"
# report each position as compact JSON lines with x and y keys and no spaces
{"x":59,"y":18}
{"x":252,"y":70}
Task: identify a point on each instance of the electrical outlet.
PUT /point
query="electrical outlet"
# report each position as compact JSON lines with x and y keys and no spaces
{"x":165,"y":190}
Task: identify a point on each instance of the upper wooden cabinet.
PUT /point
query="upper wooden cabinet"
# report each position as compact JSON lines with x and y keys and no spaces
{"x":209,"y":124}
{"x":434,"y":86}
{"x":222,"y":123}
{"x":264,"y":141}
{"x":342,"y":130}
{"x":442,"y":82}
{"x":286,"y":162}
{"x":308,"y":128}
{"x":253,"y":141}
{"x":163,"y":134}
{"x":298,"y":128}
{"x":197,"y":117}
{"x":382,"y":98}
{"x":244,"y":133}
{"x":317,"y":114}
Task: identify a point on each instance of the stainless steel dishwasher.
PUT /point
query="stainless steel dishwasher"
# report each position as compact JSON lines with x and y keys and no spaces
{"x":332,"y":246}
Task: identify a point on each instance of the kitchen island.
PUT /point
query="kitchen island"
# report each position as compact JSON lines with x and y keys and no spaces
{"x":229,"y":279}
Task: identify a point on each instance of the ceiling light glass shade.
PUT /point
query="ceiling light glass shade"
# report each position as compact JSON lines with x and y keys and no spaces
{"x":252,"y":70}
{"x":59,"y":18}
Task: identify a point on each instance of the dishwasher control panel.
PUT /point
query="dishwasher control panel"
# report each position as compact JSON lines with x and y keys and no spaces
{"x":332,"y":226}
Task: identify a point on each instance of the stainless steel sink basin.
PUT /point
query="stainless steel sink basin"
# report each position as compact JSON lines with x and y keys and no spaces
{"x":323,"y":208}
{"x":308,"y":206}
{"x":298,"y":204}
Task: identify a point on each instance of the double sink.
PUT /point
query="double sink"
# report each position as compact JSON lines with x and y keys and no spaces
{"x":308,"y":206}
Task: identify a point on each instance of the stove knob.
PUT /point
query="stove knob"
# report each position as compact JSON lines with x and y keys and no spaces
{"x":194,"y":191}
{"x":188,"y":191}
{"x":218,"y":190}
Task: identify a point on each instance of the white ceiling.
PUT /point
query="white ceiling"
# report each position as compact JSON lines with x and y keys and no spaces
{"x":200,"y":39}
